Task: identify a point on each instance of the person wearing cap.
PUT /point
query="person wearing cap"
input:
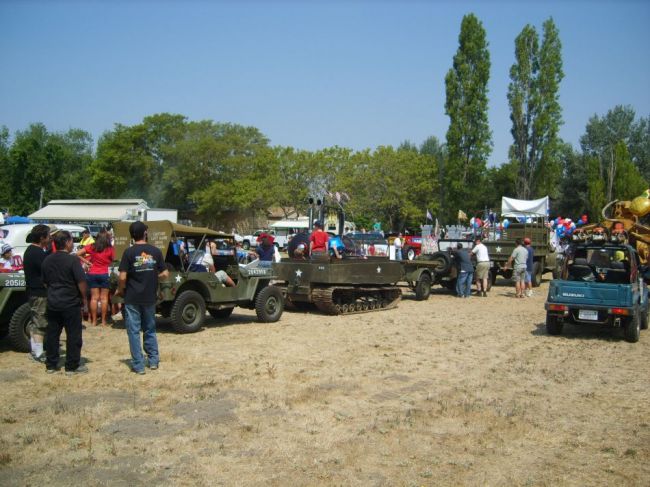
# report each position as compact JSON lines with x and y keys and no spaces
{"x":35,"y":253}
{"x":141,"y":266}
{"x":6,"y":251}
{"x":529,"y":266}
{"x":318,"y":241}
{"x":65,"y":281}
{"x":482,"y":266}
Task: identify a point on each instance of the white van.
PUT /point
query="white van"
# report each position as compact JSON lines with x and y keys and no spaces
{"x":16,"y":235}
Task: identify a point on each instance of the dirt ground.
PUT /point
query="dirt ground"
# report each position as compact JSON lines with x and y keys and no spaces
{"x":441,"y":392}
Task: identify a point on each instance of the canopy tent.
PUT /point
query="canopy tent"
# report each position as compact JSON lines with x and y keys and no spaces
{"x":89,"y":210}
{"x":522,"y":208}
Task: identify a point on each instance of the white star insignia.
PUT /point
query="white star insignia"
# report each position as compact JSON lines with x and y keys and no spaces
{"x":378,"y":270}
{"x":179,"y":278}
{"x":298,"y":273}
{"x":498,"y":249}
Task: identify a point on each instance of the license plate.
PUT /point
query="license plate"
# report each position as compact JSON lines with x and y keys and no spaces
{"x":588,"y":314}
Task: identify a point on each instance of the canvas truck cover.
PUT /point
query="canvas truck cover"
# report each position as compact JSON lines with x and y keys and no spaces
{"x":514,"y":207}
{"x":159,"y":234}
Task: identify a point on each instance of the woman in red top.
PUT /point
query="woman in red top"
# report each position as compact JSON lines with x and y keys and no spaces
{"x":100,"y":255}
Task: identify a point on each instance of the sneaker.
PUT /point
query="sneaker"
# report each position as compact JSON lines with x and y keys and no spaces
{"x":484,"y":294}
{"x":139,"y":372}
{"x":51,"y":371}
{"x":153,"y":367}
{"x":82,"y":369}
{"x":39,"y":360}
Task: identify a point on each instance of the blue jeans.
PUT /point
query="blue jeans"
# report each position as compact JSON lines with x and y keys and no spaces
{"x":141,"y":317}
{"x":464,"y":283}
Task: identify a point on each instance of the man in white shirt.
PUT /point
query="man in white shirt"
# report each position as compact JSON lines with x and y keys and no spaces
{"x":397,"y":243}
{"x":482,"y":266}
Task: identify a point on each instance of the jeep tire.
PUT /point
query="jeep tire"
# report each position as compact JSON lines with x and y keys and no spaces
{"x":443,"y":262}
{"x":269,"y":304}
{"x":18,"y":328}
{"x":632,"y":328}
{"x":554,"y":324}
{"x":423,"y":287}
{"x":188,"y":312}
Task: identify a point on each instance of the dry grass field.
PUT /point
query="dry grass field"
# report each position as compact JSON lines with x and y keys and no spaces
{"x":442,"y":392}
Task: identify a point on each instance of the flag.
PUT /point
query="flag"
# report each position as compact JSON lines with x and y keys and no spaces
{"x":462,"y":215}
{"x":429,"y":216}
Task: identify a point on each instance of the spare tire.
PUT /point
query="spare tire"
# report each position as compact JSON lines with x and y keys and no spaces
{"x":443,"y":262}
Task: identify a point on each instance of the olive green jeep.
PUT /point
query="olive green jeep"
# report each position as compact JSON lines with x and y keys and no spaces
{"x":190,"y":290}
{"x":15,"y":315}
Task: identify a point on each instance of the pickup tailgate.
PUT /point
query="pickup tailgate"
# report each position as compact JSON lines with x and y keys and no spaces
{"x":575,"y":294}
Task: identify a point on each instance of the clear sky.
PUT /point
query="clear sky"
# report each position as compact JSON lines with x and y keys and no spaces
{"x":309,"y":74}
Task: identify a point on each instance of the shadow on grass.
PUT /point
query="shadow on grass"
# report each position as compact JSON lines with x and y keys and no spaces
{"x":572,"y":331}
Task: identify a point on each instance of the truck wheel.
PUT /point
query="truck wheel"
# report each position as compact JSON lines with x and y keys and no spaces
{"x":423,"y":288}
{"x":246,"y":245}
{"x":18,"y":328}
{"x":493,"y":276}
{"x":443,"y":262}
{"x":490,"y":279}
{"x":269,"y":304}
{"x":553,"y":325}
{"x":644,"y":317}
{"x":408,"y":253}
{"x":222,"y":313}
{"x":188,"y":312}
{"x":632,"y":328}
{"x":537,"y":274}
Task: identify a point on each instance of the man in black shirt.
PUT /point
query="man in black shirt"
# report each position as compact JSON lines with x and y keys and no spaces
{"x":33,"y":259}
{"x":66,"y":292}
{"x":141,"y":266}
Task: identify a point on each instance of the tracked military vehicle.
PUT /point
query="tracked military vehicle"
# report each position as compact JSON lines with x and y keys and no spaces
{"x":341,"y":286}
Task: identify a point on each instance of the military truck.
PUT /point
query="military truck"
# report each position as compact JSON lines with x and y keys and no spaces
{"x":189,"y":290}
{"x":15,"y":315}
{"x":501,"y":243}
{"x":602,"y":282}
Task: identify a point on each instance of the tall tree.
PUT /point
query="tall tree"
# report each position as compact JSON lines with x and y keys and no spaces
{"x":5,"y":184}
{"x":535,"y":111}
{"x":601,"y":137}
{"x":469,"y":140}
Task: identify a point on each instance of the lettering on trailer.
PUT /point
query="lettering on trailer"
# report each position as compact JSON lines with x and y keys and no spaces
{"x":573,"y":295}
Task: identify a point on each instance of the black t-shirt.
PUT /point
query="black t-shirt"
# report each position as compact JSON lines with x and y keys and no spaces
{"x":142,"y":264}
{"x":32,"y":265}
{"x":62,"y":273}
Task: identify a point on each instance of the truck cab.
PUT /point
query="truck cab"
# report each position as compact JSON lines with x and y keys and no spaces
{"x":601,"y":282}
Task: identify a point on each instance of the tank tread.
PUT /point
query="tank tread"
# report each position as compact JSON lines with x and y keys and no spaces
{"x":339,"y":300}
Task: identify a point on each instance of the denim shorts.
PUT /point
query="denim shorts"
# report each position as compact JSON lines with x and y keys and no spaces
{"x":97,"y":281}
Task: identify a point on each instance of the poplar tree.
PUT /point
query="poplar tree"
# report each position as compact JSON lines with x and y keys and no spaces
{"x":469,"y":140}
{"x":535,"y":111}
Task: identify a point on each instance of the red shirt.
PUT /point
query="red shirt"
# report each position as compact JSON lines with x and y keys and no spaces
{"x":99,"y":261}
{"x":319,"y":238}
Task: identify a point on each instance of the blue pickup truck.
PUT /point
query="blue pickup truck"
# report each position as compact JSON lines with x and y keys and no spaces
{"x":601,"y":283}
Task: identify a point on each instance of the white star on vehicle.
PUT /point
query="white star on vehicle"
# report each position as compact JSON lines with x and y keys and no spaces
{"x":179,"y":278}
{"x":378,"y":270}
{"x":498,"y":249}
{"x":298,"y":273}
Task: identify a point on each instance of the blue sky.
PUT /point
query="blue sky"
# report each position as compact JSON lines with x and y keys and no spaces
{"x":310,"y":74}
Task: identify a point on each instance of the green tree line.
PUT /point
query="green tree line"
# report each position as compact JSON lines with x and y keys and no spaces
{"x":220,"y":174}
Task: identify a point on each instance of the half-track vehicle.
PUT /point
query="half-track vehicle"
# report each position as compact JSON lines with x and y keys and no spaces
{"x":602,"y":282}
{"x":341,"y":286}
{"x":189,"y":290}
{"x":15,"y":314}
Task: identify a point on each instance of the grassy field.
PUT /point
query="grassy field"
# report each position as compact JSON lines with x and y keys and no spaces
{"x":442,"y":392}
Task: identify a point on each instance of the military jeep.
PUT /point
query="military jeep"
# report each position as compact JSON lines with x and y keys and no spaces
{"x":15,"y":315}
{"x":189,"y":290}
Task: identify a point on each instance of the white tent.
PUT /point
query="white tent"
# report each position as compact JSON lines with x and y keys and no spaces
{"x":516,"y":208}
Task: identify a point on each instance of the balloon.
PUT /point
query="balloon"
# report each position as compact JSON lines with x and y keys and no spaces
{"x":579,"y":223}
{"x":506,"y":223}
{"x":583,"y":218}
